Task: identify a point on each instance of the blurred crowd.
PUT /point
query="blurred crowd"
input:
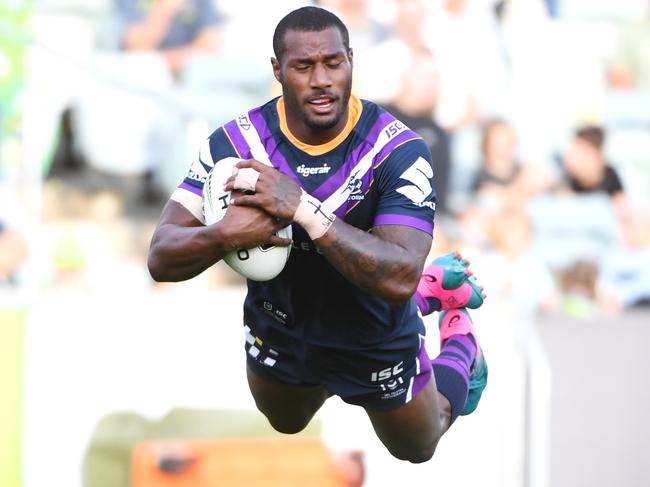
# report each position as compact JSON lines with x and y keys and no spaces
{"x":535,"y":113}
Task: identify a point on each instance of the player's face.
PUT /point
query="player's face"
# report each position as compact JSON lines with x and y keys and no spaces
{"x":316,"y":76}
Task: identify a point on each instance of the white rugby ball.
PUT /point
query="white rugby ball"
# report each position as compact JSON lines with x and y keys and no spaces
{"x":260,"y":263}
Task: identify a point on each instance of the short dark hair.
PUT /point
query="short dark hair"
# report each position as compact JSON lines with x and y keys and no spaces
{"x":307,"y":19}
{"x":592,"y":134}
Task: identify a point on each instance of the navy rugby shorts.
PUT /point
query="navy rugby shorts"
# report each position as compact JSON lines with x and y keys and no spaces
{"x":377,"y":380}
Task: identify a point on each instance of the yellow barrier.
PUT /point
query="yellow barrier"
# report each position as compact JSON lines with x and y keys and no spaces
{"x":11,"y":358}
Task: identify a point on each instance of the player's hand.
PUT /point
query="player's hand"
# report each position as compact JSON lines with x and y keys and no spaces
{"x":276,"y":194}
{"x":246,"y":227}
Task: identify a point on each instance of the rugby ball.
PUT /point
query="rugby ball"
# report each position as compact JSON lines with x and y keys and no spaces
{"x":260,"y":263}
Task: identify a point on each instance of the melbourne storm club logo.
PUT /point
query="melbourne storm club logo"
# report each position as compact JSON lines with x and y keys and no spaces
{"x":354,"y":188}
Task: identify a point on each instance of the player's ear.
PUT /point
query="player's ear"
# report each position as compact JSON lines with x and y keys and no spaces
{"x":350,"y":56}
{"x":276,"y":68}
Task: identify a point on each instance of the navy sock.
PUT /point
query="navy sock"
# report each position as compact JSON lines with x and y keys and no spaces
{"x":452,"y":370}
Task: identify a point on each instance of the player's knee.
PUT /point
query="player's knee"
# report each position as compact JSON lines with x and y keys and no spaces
{"x":416,"y":453}
{"x":419,"y":455}
{"x":288,"y":426}
{"x":422,"y":455}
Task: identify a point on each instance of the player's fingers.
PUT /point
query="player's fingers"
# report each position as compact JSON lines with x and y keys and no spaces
{"x":246,"y":200}
{"x":281,"y":223}
{"x":228,"y":183}
{"x":244,"y":180}
{"x":279,"y":241}
{"x":253,"y":164}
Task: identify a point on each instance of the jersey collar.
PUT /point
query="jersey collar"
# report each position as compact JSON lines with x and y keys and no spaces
{"x":355,"y":108}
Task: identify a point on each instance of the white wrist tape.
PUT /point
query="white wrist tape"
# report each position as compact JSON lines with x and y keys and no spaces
{"x":311,"y":216}
{"x":245,"y":179}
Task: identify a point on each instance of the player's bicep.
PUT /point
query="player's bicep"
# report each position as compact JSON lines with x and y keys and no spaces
{"x":190,"y":201}
{"x":177,"y":214}
{"x":416,"y":242}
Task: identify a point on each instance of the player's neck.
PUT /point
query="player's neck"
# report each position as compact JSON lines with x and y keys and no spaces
{"x":314,"y":136}
{"x":317,"y":141}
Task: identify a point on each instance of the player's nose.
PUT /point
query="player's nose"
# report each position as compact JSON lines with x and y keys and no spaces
{"x":320,"y":78}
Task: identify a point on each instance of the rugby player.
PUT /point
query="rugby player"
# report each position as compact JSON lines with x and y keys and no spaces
{"x":342,"y":317}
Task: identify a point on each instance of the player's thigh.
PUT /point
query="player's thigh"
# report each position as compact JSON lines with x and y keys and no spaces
{"x":289,"y":408}
{"x":411,"y":432}
{"x":282,"y":387}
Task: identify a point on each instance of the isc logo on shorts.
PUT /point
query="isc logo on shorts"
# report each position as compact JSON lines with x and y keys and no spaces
{"x":386,"y":374}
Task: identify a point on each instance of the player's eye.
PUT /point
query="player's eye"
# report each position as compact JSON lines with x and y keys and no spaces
{"x":301,"y":67}
{"x":334,"y":65}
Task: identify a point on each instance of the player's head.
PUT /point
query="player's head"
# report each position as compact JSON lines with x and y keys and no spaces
{"x":313,"y":63}
{"x":307,"y":19}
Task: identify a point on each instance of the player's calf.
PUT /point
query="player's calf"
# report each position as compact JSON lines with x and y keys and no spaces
{"x":461,"y":370}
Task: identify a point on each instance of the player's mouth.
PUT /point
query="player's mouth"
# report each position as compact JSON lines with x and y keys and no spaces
{"x":322,"y":105}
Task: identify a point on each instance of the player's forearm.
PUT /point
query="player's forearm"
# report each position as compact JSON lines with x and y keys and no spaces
{"x":179,"y":253}
{"x":148,"y":34}
{"x":377,"y":266}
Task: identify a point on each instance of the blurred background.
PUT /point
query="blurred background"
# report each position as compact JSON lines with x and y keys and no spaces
{"x":538,"y":117}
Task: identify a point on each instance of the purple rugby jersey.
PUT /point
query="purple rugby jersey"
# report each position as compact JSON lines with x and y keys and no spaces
{"x":376,"y":172}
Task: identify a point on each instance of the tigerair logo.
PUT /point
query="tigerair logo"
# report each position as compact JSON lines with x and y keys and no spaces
{"x":306,"y":171}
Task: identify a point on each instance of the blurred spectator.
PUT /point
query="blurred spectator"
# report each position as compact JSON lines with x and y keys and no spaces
{"x":179,"y":29}
{"x":372,"y":79}
{"x":499,"y":151}
{"x":502,"y":180}
{"x":464,"y":38}
{"x":625,"y":276}
{"x":415,"y":105}
{"x":365,"y":32}
{"x":13,"y":252}
{"x":570,"y":227}
{"x":410,"y":23}
{"x":511,"y":257}
{"x":553,"y":8}
{"x":630,"y":67}
{"x":578,"y":287}
{"x":168,"y":44}
{"x":585,"y":165}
